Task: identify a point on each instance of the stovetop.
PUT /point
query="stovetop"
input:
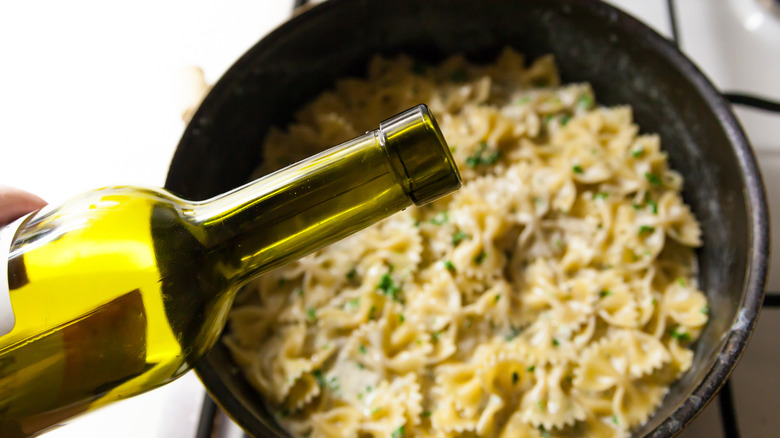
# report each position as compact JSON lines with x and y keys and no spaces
{"x":95,"y":94}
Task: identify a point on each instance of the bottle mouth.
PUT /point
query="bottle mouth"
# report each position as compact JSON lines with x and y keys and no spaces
{"x":415,"y":139}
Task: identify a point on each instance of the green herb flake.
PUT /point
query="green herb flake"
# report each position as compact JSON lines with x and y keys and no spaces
{"x":544,"y":432}
{"x":638,"y":152}
{"x":459,"y":236}
{"x":480,"y":258}
{"x":636,"y":206}
{"x":317,"y":374}
{"x":646,"y":229}
{"x":531,"y":368}
{"x":653,"y":206}
{"x":565,"y":119}
{"x":299,"y":291}
{"x":482,"y":156}
{"x":523,"y":100}
{"x":362,"y":367}
{"x":615,"y":420}
{"x":653,"y":179}
{"x":375,"y":411}
{"x":497,"y":298}
{"x":388,"y":286}
{"x":401,"y":318}
{"x":450,"y":267}
{"x":585,"y":101}
{"x":371,"y":312}
{"x":681,"y":336}
{"x":333,"y":384}
{"x":577,"y":169}
{"x":514,"y":331}
{"x":515,"y":378}
{"x":435,"y":336}
{"x":399,"y":433}
{"x":311,"y":314}
{"x":705,"y":310}
{"x":540,"y":405}
{"x":605,"y":293}
{"x":681,"y":281}
{"x":601,"y":195}
{"x":352,"y":274}
{"x":427,"y":414}
{"x":441,"y":218}
{"x":555,"y":342}
{"x":353,"y":304}
{"x":362,"y":349}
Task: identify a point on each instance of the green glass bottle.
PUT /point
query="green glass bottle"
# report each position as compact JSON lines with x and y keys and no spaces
{"x":123,"y":289}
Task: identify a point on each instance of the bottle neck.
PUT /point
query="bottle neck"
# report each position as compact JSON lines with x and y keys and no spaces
{"x":297,"y":210}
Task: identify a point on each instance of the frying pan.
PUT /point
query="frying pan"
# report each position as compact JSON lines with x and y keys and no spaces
{"x":625,"y":61}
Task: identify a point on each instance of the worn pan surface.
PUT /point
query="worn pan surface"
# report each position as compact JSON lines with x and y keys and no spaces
{"x":625,"y":61}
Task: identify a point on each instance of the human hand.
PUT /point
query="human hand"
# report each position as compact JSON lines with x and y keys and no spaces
{"x":15,"y":203}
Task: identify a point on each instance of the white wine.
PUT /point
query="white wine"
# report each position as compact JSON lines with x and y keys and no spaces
{"x":123,"y":289}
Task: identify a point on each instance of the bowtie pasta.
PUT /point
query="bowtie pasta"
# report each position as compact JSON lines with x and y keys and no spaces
{"x":553,"y":295}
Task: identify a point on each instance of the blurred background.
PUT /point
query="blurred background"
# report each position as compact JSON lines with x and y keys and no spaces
{"x":92,"y":94}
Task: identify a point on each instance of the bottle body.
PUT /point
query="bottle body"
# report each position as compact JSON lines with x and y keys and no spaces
{"x":122,"y":289}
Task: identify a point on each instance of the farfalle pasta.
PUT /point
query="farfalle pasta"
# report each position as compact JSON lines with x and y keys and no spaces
{"x":553,"y":295}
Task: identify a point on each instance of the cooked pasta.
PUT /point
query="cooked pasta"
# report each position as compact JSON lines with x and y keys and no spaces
{"x":553,"y":295}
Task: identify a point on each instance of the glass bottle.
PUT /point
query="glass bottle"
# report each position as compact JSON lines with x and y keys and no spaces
{"x":123,"y":289}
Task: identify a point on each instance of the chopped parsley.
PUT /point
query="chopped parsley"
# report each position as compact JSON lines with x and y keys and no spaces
{"x":498,"y":297}
{"x":523,"y":100}
{"x":540,"y":404}
{"x":615,"y":419}
{"x":319,"y":377}
{"x":585,"y":101}
{"x":450,"y":267}
{"x":399,"y":433}
{"x":601,"y":195}
{"x":352,"y":274}
{"x":577,"y":169}
{"x":705,"y":310}
{"x":653,"y":179}
{"x":531,"y":368}
{"x":426,"y":414}
{"x":513,"y":333}
{"x":311,"y":314}
{"x":544,"y":432}
{"x":362,"y":367}
{"x":371,"y":312}
{"x":605,"y":293}
{"x":401,"y":318}
{"x":680,"y":335}
{"x":459,"y":236}
{"x":440,"y":218}
{"x":515,"y":377}
{"x":646,"y":229}
{"x":482,"y":156}
{"x":653,"y":206}
{"x":681,"y":281}
{"x":388,"y":286}
{"x":565,"y":119}
{"x":638,"y":152}
{"x":555,"y":342}
{"x":480,"y":258}
{"x":435,"y":336}
{"x":353,"y":304}
{"x":375,"y":411}
{"x":299,"y":291}
{"x":362,"y":349}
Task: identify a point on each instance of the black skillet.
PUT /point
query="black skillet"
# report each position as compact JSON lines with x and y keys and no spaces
{"x":624,"y":60}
